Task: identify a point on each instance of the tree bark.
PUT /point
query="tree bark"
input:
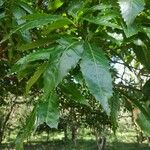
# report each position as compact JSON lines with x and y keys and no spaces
{"x":74,"y":135}
{"x":65,"y":134}
{"x":4,"y":123}
{"x":100,"y":140}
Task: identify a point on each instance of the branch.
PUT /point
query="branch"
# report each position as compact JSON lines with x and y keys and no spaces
{"x":136,"y":103}
{"x":128,"y":87}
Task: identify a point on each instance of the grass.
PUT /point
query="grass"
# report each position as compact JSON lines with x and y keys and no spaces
{"x":125,"y":139}
{"x":81,"y":145}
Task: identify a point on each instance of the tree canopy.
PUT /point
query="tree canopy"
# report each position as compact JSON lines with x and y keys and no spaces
{"x":69,"y":47}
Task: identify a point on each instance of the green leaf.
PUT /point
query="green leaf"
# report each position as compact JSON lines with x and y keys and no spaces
{"x":32,"y":21}
{"x":48,"y":111}
{"x":146,"y":88}
{"x":72,"y":91}
{"x":57,"y":24}
{"x":95,"y":70}
{"x":26,"y":7}
{"x":100,"y":7}
{"x":26,"y":131}
{"x":143,"y":123}
{"x":103,"y":20}
{"x":61,"y":65}
{"x":18,"y":14}
{"x":27,"y":70}
{"x":35,"y":77}
{"x":131,"y":30}
{"x":75,"y":9}
{"x":58,"y":67}
{"x":55,"y":4}
{"x":2,"y":15}
{"x":114,"y":107}
{"x":35,"y":44}
{"x":42,"y":54}
{"x":130,"y":9}
{"x":142,"y":52}
{"x":1,"y":2}
{"x":146,"y":30}
{"x":72,"y":53}
{"x":136,"y":102}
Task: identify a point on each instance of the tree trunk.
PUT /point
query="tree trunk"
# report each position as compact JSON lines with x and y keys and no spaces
{"x":1,"y":136}
{"x":74,"y":135}
{"x":65,"y":134}
{"x":48,"y":135}
{"x":4,"y":122}
{"x":100,"y":140}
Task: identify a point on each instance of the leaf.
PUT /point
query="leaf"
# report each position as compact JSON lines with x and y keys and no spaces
{"x":146,"y":30}
{"x":55,"y":4}
{"x":27,"y":70}
{"x":48,"y":111}
{"x":1,"y":2}
{"x":71,"y":90}
{"x":58,"y":67}
{"x":95,"y":70}
{"x":142,"y":52}
{"x":26,"y":7}
{"x":136,"y":102}
{"x":61,"y":65}
{"x":100,"y":7}
{"x":114,"y":107}
{"x":18,"y":14}
{"x":143,"y":123}
{"x":146,"y":88}
{"x":131,"y":30}
{"x":26,"y":131}
{"x":72,"y":53}
{"x":41,"y":54}
{"x":103,"y":20}
{"x":35,"y":44}
{"x":75,"y":9}
{"x":2,"y":15}
{"x":32,"y":21}
{"x":35,"y":77}
{"x":130,"y":9}
{"x":57,"y":24}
